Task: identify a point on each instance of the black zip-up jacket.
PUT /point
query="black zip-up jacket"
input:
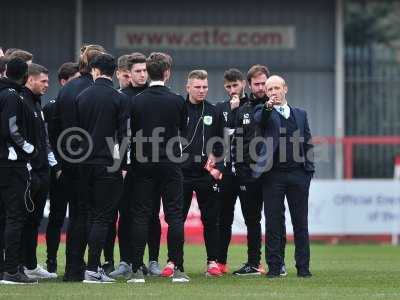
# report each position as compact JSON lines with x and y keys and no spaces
{"x":49,"y":113}
{"x":227,"y":123}
{"x":157,"y":108}
{"x":65,"y":108}
{"x":133,"y":91}
{"x":246,"y":130}
{"x":18,"y":133}
{"x":100,"y":112}
{"x":45,"y":157}
{"x":202,"y":125}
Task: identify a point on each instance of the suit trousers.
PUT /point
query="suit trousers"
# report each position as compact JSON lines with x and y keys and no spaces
{"x":294,"y":184}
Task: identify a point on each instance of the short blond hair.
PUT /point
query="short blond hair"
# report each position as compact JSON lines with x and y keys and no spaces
{"x":198,"y":74}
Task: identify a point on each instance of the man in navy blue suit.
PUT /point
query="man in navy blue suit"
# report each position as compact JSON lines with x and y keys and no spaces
{"x":286,"y":165}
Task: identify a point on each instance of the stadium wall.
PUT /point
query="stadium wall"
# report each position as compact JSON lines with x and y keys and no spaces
{"x":48,"y":29}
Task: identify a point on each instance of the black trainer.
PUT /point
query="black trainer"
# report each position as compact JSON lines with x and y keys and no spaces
{"x":51,"y":266}
{"x":271,"y":274}
{"x":73,"y":276}
{"x":247,"y":269}
{"x":145,"y":270}
{"x":304,"y":273}
{"x":1,"y":276}
{"x":108,"y":267}
{"x":17,"y":278}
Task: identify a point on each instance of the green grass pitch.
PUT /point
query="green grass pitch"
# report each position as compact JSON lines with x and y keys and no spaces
{"x":340,"y":272}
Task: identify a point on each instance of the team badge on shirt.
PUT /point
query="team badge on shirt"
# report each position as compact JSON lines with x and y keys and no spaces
{"x":208,"y":120}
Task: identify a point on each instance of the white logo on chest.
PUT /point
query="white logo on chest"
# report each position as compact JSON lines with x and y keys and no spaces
{"x":246,"y":119}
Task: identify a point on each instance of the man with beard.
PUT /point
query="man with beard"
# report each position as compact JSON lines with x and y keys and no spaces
{"x":234,"y":84}
{"x":250,"y":191}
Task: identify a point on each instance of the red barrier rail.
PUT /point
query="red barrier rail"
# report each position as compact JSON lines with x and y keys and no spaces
{"x":350,"y":141}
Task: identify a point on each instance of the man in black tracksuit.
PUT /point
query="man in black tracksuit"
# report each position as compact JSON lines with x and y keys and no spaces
{"x":123,"y":207}
{"x":136,"y":64}
{"x":234,"y":83}
{"x":202,"y":127}
{"x":123,"y":76}
{"x":18,"y":144}
{"x":159,"y":115}
{"x":36,"y":86}
{"x":251,"y":199}
{"x":58,"y":201}
{"x":101,"y":113}
{"x":64,"y":120}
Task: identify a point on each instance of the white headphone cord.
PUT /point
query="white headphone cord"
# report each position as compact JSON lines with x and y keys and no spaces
{"x":28,"y":193}
{"x":195,"y":131}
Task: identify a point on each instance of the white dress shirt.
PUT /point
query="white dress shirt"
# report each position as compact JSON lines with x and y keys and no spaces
{"x":157,"y":82}
{"x":284,"y":110}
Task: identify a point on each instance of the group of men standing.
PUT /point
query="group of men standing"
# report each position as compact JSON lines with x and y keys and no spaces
{"x":119,"y":154}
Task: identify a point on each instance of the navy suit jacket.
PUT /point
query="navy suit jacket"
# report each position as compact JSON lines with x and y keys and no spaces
{"x":270,"y":123}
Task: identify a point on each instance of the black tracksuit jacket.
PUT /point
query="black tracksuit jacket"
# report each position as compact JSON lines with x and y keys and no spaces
{"x":245,"y":130}
{"x":18,"y":126}
{"x":227,"y":118}
{"x":202,"y":125}
{"x":45,"y":158}
{"x":101,"y":112}
{"x":65,"y":107}
{"x":158,"y":107}
{"x":133,"y":91}
{"x":49,"y":114}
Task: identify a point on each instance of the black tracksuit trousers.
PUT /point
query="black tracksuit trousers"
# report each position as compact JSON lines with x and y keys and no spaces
{"x":207,"y":190}
{"x":101,"y":191}
{"x":2,"y":226}
{"x":39,"y":192}
{"x":155,"y":180}
{"x":251,"y":201}
{"x":14,"y":194}
{"x":58,"y":210}
{"x":77,"y":225}
{"x":124,"y":227}
{"x":229,"y":191}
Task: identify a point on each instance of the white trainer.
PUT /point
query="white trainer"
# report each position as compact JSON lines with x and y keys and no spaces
{"x":97,"y":277}
{"x":39,"y":273}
